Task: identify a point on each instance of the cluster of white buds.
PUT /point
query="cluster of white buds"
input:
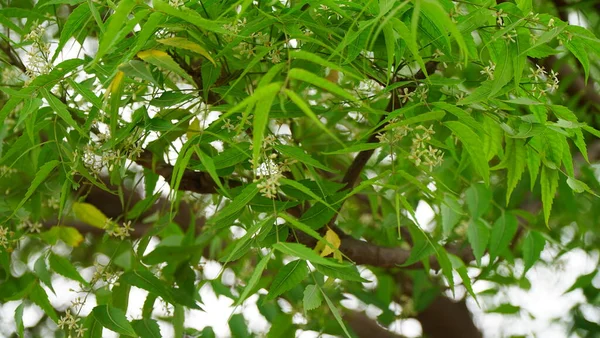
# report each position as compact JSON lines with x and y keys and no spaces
{"x":489,"y":70}
{"x":29,"y":226}
{"x":38,"y":62}
{"x":103,"y":273}
{"x":245,"y":49}
{"x":53,"y":202}
{"x":119,"y":231}
{"x":69,"y":323}
{"x":421,"y":152}
{"x":6,"y":171}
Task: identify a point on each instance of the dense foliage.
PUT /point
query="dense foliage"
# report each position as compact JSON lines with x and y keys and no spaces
{"x":292,"y":142}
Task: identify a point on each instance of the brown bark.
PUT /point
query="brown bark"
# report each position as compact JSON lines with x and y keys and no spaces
{"x":447,"y":319}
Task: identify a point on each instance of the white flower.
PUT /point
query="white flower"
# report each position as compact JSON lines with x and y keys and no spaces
{"x":489,"y":70}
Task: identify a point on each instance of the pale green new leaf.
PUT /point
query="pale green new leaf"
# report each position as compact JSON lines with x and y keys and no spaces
{"x":76,"y":21}
{"x":312,"y":298}
{"x":260,"y":121}
{"x":533,"y":244}
{"x":299,"y":155}
{"x":411,"y":42}
{"x":335,"y":312}
{"x":187,"y":44}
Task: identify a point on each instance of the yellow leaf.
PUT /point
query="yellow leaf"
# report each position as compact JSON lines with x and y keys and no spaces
{"x":163,"y":60}
{"x":89,"y":214}
{"x":193,"y":129}
{"x":115,"y":84}
{"x":189,"y":45}
{"x":334,"y":240}
{"x":70,"y":236}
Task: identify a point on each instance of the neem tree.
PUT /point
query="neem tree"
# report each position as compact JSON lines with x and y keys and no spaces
{"x":292,"y":141}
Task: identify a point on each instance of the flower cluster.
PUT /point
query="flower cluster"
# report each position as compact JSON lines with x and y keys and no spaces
{"x":233,"y":28}
{"x":5,"y":235}
{"x":176,"y":3}
{"x":103,"y":273}
{"x":6,"y":171}
{"x":114,"y":230}
{"x":69,"y":322}
{"x":489,"y":70}
{"x":29,"y":226}
{"x":421,"y":152}
{"x":542,"y":78}
{"x":95,"y":158}
{"x":38,"y":62}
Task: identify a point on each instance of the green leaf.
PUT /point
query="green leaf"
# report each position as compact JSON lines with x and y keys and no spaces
{"x":533,"y":244}
{"x":237,"y":204}
{"x":253,"y":281}
{"x":190,"y":16}
{"x":312,"y":298}
{"x":462,"y":115}
{"x":503,"y":231}
{"x":335,"y":312}
{"x":421,"y":247}
{"x":93,"y":326}
{"x":472,"y":144}
{"x":478,"y":235}
{"x":355,"y":148}
{"x":184,"y":43}
{"x":146,"y":280}
{"x":305,"y":55}
{"x":40,"y":298}
{"x":306,"y":109}
{"x":302,"y":252}
{"x":135,"y":68}
{"x":41,"y":270}
{"x":61,"y":109}
{"x":582,"y":281}
{"x":410,"y":40}
{"x":446,"y":266}
{"x":63,"y":267}
{"x":577,"y":186}
{"x":76,"y":22}
{"x":115,"y":24}
{"x":515,"y":164}
{"x":451,"y":212}
{"x":113,"y":319}
{"x":19,"y":319}
{"x":478,"y":199}
{"x":292,"y":274}
{"x":503,"y":71}
{"x":299,"y":155}
{"x":348,"y":273}
{"x":549,"y":183}
{"x":460,"y":267}
{"x":306,"y":76}
{"x":146,"y":328}
{"x":259,"y":123}
{"x":163,"y":60}
{"x":89,"y":214}
{"x":577,"y":48}
{"x":208,"y":163}
{"x":39,"y":178}
{"x":441,"y":19}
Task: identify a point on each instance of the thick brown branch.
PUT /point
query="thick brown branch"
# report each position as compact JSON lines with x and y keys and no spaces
{"x":365,"y":327}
